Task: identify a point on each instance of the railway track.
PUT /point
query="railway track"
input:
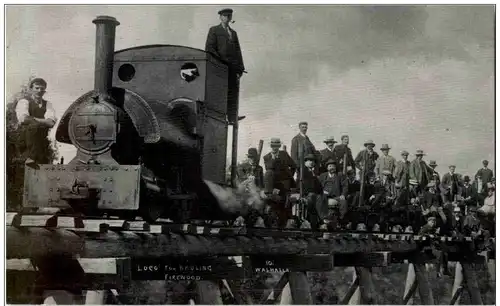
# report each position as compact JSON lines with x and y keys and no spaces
{"x":30,"y":234}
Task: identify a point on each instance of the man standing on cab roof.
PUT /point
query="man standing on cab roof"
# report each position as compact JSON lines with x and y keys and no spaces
{"x":222,"y":41}
{"x":36,"y":117}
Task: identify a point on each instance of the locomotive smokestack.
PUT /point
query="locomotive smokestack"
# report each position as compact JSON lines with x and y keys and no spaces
{"x":104,"y":53}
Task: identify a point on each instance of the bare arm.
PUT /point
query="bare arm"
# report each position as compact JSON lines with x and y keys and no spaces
{"x":22,"y":110}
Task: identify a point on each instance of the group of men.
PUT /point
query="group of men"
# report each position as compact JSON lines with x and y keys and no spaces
{"x":327,"y":180}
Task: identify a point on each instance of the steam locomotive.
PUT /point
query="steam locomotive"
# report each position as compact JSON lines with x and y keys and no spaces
{"x":148,"y":136}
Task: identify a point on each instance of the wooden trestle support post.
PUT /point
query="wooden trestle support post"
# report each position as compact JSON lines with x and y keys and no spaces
{"x":79,"y":263}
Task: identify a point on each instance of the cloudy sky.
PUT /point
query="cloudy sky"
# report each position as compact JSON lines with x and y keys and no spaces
{"x":415,"y":77}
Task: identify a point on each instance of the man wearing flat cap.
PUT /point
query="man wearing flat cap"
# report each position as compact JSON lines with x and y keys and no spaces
{"x":450,"y":186}
{"x":35,"y":117}
{"x":222,"y":41}
{"x":367,"y":157}
{"x":385,"y":162}
{"x":438,"y":249}
{"x":327,"y":153}
{"x":302,"y":146}
{"x":419,"y":171}
{"x":401,"y":176}
{"x":485,"y":174}
{"x":343,"y":152}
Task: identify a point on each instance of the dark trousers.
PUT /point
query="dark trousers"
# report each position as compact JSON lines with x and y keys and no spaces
{"x":233,"y":92}
{"x":402,"y":197}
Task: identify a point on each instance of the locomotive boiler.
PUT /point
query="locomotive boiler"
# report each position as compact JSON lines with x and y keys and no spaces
{"x":148,"y":136}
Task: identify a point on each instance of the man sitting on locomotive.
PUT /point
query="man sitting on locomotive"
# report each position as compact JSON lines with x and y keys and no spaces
{"x":335,"y":190}
{"x":36,"y":117}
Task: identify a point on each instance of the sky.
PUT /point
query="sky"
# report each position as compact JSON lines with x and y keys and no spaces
{"x":414,"y":77}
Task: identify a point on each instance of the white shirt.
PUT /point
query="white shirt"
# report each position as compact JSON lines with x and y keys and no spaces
{"x":489,"y":205}
{"x":228,"y":30}
{"x":22,"y":111}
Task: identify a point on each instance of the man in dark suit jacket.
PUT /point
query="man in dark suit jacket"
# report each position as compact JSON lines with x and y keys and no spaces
{"x":282,"y":167}
{"x":312,"y":191}
{"x":327,"y":153}
{"x":335,"y":187}
{"x":368,"y":157}
{"x":251,"y":169}
{"x":278,"y":179}
{"x":341,"y":151}
{"x":485,"y":174}
{"x":222,"y":41}
{"x":469,"y":192}
{"x":450,"y":185}
{"x":302,"y":146}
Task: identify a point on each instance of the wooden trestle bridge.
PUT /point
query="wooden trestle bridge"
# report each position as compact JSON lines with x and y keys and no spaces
{"x":71,"y":257}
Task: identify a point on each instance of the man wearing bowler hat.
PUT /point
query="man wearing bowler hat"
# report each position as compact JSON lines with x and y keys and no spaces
{"x":278,"y":180}
{"x":434,"y":175}
{"x":281,"y":165}
{"x":251,"y":169}
{"x":367,"y":157}
{"x":385,"y":162}
{"x":222,"y":41}
{"x":335,"y":187}
{"x":328,"y":153}
{"x":469,"y":192}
